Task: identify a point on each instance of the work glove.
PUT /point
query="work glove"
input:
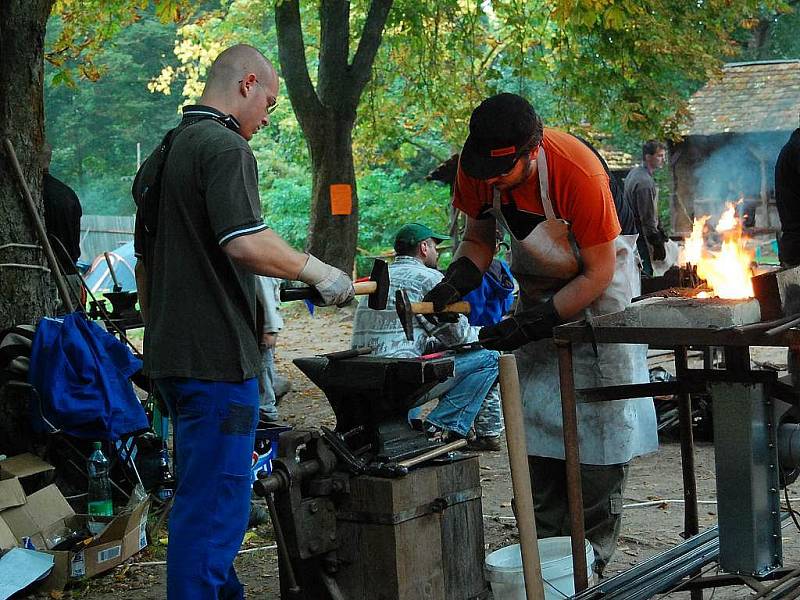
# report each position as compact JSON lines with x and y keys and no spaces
{"x":519,"y":329}
{"x":657,"y":244}
{"x":333,"y":285}
{"x":461,"y":277}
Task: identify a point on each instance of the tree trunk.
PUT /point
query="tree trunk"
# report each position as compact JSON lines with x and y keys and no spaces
{"x":332,"y":237}
{"x":327,"y":114}
{"x":25,"y":294}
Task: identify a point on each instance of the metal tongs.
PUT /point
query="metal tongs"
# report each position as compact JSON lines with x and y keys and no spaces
{"x":772,"y":327}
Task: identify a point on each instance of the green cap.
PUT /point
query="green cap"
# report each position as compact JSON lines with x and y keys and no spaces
{"x":414,"y":233}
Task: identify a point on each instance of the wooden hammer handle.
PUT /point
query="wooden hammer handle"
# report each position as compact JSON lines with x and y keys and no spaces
{"x":363,"y":288}
{"x":426,"y":308}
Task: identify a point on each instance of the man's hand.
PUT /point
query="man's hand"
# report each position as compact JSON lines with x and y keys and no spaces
{"x":526,"y":326}
{"x":333,"y":285}
{"x":269,"y":340}
{"x":659,"y":251}
{"x":461,"y":277}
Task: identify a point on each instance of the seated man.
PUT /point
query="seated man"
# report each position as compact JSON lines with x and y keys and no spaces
{"x":462,"y":396}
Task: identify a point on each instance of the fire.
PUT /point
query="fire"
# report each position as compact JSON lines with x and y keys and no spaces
{"x":728,"y":271}
{"x":728,"y":220}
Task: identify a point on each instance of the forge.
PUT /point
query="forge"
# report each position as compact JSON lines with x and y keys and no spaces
{"x":691,"y":312}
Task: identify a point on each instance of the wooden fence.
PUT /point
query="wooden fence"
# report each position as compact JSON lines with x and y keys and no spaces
{"x":102,"y":232}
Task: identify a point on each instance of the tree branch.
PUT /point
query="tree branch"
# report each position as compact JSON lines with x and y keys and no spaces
{"x":334,"y":51}
{"x":294,"y":68}
{"x":361,"y":67}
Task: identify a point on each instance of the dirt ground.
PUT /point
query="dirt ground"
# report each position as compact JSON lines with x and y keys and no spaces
{"x":646,"y":530}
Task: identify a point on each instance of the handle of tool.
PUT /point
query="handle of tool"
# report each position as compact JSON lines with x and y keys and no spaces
{"x":520,"y":476}
{"x":781,"y":328}
{"x":410,"y":462}
{"x":426,"y":308}
{"x":117,"y":286}
{"x":61,"y":282}
{"x":362,"y":288}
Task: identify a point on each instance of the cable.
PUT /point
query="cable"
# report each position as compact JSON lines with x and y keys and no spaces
{"x":792,"y":512}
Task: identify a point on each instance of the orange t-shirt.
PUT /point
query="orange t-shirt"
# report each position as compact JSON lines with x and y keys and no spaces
{"x":577,"y":184}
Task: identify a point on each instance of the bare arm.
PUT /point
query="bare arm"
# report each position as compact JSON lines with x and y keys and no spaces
{"x":478,"y":242}
{"x":266,"y":253}
{"x":598,"y":270}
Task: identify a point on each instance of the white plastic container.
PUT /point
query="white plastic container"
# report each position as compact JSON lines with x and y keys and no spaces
{"x":504,"y":570}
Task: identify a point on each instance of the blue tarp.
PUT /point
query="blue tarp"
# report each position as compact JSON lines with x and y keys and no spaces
{"x":82,"y":373}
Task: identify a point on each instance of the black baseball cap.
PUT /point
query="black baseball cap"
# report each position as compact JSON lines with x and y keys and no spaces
{"x":501,"y":130}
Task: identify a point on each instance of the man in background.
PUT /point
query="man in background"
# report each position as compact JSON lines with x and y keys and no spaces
{"x":462,"y":396}
{"x":641,"y":194}
{"x":787,"y":199}
{"x":62,"y":220}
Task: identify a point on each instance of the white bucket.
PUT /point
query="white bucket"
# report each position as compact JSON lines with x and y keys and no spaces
{"x":504,"y":570}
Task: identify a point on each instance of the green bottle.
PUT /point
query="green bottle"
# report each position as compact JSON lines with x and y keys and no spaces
{"x":101,"y":507}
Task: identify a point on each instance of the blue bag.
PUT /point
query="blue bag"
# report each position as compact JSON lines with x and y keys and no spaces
{"x":82,"y":374}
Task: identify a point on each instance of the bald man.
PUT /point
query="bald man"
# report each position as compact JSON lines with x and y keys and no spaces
{"x":196,"y":275}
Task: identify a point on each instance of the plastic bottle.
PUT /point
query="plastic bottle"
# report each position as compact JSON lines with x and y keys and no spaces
{"x":166,"y":484}
{"x":101,"y":507}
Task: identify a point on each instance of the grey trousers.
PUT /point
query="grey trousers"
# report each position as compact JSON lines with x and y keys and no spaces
{"x":602,"y":485}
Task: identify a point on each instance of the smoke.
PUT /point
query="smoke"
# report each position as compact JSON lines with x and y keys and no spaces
{"x":734,"y":170}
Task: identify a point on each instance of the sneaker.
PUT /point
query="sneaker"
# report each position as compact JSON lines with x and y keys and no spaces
{"x":486,"y":443}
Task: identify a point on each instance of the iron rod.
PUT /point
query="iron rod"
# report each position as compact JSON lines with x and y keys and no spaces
{"x":572,"y":465}
{"x":690,"y":514}
{"x":61,"y":283}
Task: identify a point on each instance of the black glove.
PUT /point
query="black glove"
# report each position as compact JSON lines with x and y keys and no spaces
{"x":461,"y":277}
{"x":526,"y":326}
{"x":659,"y":251}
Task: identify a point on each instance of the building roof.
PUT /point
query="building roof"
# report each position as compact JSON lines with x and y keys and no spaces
{"x":748,"y":98}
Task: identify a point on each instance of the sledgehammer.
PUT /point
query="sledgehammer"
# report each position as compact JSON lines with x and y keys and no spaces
{"x":407,"y":309}
{"x":377,"y":288}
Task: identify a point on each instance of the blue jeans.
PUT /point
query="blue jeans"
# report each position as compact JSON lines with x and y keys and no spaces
{"x":462,"y":395}
{"x":214,"y":425}
{"x":266,"y":384}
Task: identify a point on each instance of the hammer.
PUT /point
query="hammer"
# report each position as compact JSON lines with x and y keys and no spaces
{"x":407,"y":309}
{"x":377,"y":288}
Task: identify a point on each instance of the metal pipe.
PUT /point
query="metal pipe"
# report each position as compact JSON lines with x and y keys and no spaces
{"x":280,"y":540}
{"x":521,"y":477}
{"x":691,"y":524}
{"x":690,"y":519}
{"x":572,"y":461}
{"x":41,"y":233}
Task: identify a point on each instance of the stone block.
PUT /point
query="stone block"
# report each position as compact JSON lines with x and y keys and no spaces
{"x":692,"y":313}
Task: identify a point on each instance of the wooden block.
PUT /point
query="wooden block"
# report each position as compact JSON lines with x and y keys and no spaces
{"x":778,"y":292}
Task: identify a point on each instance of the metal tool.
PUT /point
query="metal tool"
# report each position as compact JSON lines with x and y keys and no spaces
{"x":407,"y":309}
{"x":377,"y":288}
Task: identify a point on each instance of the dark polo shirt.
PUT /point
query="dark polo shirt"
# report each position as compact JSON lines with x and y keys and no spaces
{"x":201,"y":318}
{"x":787,"y":199}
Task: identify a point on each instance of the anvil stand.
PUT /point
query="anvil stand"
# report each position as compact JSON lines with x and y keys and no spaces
{"x":736,"y":347}
{"x":350,"y":517}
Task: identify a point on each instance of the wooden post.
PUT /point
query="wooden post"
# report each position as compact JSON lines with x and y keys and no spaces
{"x":520,"y":476}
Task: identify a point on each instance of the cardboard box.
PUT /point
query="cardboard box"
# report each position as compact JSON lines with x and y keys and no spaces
{"x":47,"y":518}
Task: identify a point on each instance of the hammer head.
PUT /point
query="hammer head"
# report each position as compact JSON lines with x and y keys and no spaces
{"x":404,"y":313}
{"x":378,"y":299}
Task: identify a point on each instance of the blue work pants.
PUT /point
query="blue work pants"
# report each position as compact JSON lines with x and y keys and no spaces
{"x":214,"y":426}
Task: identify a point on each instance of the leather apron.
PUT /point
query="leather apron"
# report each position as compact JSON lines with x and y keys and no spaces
{"x":608,"y":432}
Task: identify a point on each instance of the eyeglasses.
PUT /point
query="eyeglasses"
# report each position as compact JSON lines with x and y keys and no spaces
{"x":272,"y":105}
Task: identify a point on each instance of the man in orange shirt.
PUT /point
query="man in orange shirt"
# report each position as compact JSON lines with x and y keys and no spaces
{"x":573,"y":248}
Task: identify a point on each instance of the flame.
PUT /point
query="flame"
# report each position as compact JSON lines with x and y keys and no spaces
{"x":727,"y":220}
{"x":693,"y":250}
{"x":727,"y":272}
